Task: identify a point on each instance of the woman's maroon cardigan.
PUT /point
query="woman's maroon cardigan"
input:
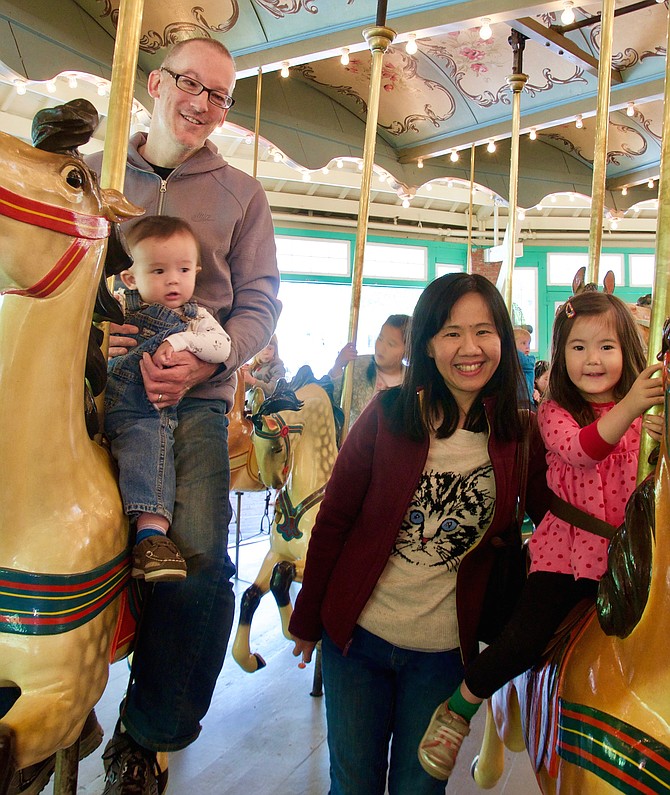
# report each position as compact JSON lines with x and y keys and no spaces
{"x":374,"y":479}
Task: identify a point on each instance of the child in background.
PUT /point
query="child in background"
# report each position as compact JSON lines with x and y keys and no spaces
{"x":590,"y":423}
{"x":161,"y":282}
{"x":541,"y":380}
{"x":527,"y":363}
{"x":265,"y":369}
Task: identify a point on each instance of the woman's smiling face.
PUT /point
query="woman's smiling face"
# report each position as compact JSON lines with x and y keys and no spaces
{"x":466,"y":349}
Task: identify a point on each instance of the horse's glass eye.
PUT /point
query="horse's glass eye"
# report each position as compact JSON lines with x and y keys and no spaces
{"x":75,"y":178}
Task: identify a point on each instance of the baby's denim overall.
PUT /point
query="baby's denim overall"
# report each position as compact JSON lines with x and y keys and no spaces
{"x":141,"y":436}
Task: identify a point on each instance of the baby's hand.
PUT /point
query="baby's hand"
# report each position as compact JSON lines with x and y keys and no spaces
{"x":163,"y":355}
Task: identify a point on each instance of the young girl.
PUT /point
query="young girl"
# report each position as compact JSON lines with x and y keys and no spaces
{"x":265,"y":369}
{"x":590,"y":423}
{"x":374,"y":373}
{"x":541,"y":381}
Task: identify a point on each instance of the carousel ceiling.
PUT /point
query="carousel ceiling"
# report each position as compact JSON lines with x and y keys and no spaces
{"x":442,"y":95}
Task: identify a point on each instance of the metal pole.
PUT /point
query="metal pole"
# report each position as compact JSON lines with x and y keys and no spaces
{"x":600,"y":152}
{"x":472,"y":188}
{"x":257,"y":123}
{"x":115,"y":153}
{"x":124,"y":68}
{"x":516,"y":82}
{"x":660,"y":307}
{"x":378,"y":39}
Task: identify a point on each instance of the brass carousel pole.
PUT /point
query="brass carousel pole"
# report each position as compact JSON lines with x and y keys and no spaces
{"x":600,"y":152}
{"x":516,"y":82}
{"x":472,"y":188}
{"x":112,"y":176}
{"x":124,"y":67}
{"x":660,"y":307}
{"x":378,"y":39}
{"x":257,"y":122}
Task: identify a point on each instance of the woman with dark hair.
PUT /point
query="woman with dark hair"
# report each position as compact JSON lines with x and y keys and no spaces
{"x":374,"y":373}
{"x":424,"y":490}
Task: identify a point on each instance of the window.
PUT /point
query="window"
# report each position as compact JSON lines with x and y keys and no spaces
{"x":642,"y":268}
{"x":383,"y":261}
{"x":524,"y":301}
{"x":441,"y":269}
{"x":562,"y":267}
{"x":314,"y":323}
{"x":312,"y":255}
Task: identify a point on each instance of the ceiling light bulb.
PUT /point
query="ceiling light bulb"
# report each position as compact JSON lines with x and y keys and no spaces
{"x":277,"y":156}
{"x":72,"y":81}
{"x":450,"y":183}
{"x":325,"y":170}
{"x":614,"y":224}
{"x":344,"y":58}
{"x":579,"y":123}
{"x":532,"y":134}
{"x":420,"y":163}
{"x":410,"y":47}
{"x":630,"y":110}
{"x":360,"y":165}
{"x":390,"y":179}
{"x":102,"y":89}
{"x":248,"y":139}
{"x":340,"y":164}
{"x":539,"y":208}
{"x":405,"y":203}
{"x":428,"y":186}
{"x":568,"y":15}
{"x":306,"y":176}
{"x":650,"y":184}
{"x":491,"y":146}
{"x":485,"y":31}
{"x":453,"y":156}
{"x":521,"y":214}
{"x":572,"y":197}
{"x":21,"y":87}
{"x":624,"y":191}
{"x":284,"y":69}
{"x":51,"y":86}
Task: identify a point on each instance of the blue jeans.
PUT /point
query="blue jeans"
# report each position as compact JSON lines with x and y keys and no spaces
{"x":185,"y":626}
{"x":378,"y":694}
{"x":142,"y":441}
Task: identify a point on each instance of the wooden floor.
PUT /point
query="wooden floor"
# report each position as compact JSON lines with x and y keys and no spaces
{"x":264,"y":733}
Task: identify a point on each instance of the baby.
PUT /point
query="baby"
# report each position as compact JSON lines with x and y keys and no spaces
{"x":158,"y":302}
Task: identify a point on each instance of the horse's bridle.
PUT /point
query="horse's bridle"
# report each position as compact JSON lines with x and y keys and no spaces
{"x":282,"y":433}
{"x":84,"y":228}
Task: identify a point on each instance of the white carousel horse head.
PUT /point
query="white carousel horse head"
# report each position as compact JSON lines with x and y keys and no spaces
{"x":63,"y":536}
{"x":595,"y":715}
{"x":295,"y":439}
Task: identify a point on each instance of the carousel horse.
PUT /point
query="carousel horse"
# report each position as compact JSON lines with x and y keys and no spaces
{"x":243,"y":464}
{"x":295,"y":439}
{"x":595,"y":715}
{"x":64,"y":536}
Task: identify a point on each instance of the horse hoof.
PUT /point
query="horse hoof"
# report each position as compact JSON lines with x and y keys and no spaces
{"x":473,"y":768}
{"x":261,"y":662}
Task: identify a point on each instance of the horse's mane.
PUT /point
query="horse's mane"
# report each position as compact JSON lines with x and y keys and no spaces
{"x":624,"y":588}
{"x":284,"y":397}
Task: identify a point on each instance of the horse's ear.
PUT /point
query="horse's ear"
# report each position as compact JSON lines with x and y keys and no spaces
{"x":272,"y":424}
{"x":609,"y":282}
{"x":578,"y":281}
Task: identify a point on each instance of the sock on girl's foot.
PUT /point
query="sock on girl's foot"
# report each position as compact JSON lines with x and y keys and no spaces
{"x":147,"y":532}
{"x":461,"y":706}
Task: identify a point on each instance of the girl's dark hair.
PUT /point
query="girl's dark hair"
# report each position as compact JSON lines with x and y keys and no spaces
{"x":402,"y":322}
{"x":590,"y":304}
{"x":424,"y":394}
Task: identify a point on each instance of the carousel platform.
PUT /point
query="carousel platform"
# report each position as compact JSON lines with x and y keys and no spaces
{"x":264,"y":733}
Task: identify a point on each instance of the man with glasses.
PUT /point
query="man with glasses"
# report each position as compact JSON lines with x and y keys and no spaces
{"x":185,"y":626}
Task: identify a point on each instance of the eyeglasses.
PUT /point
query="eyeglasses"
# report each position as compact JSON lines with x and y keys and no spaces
{"x":192,"y":86}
